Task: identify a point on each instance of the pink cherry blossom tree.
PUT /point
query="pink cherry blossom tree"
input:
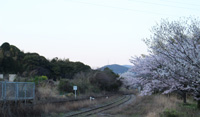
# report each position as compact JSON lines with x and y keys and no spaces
{"x":178,"y":42}
{"x":174,"y":61}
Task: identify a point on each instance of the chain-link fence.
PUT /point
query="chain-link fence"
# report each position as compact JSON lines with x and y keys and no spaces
{"x":17,"y":91}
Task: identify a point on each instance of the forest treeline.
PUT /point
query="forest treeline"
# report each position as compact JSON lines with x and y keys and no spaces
{"x":15,"y":61}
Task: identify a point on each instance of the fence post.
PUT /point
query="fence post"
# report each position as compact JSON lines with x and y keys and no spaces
{"x":5,"y":91}
{"x":33,"y":93}
{"x":17,"y":91}
{"x":2,"y":91}
{"x":25,"y":93}
{"x":15,"y":94}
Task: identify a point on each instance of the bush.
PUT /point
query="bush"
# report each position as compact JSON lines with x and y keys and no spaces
{"x":65,"y":86}
{"x":82,"y":81}
{"x":189,"y":106}
{"x":91,"y":82}
{"x":69,"y":95}
{"x":170,"y":113}
{"x":106,"y":80}
{"x":39,"y":79}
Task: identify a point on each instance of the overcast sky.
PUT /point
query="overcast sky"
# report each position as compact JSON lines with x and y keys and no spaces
{"x":95,"y":32}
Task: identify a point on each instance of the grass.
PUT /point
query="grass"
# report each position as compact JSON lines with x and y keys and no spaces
{"x":146,"y":106}
{"x":60,"y":109}
{"x":49,"y":109}
{"x":19,"y":110}
{"x":47,"y":93}
{"x":158,"y":106}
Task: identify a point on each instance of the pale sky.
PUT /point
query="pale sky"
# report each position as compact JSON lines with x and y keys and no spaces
{"x":95,"y":32}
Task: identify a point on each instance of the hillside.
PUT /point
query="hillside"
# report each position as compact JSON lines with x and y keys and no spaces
{"x":15,"y":61}
{"x":118,"y":69}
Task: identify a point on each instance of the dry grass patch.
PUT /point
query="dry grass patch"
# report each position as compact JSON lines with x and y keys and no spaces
{"x":158,"y":106}
{"x":46,"y":90}
{"x":53,"y":108}
{"x":19,"y":110}
{"x":49,"y":109}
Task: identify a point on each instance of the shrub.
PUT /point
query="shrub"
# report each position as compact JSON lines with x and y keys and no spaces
{"x":189,"y":106}
{"x":69,"y":95}
{"x":65,"y":86}
{"x":106,"y":81}
{"x":170,"y":113}
{"x":38,"y":79}
{"x":82,"y":81}
{"x":46,"y":90}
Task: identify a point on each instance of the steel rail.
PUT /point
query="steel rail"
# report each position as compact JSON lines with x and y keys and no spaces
{"x":112,"y":106}
{"x":96,"y":110}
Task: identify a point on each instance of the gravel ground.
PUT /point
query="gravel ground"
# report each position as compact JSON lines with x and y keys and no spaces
{"x":107,"y":113}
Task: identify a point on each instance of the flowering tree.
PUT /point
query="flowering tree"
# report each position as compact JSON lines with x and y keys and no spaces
{"x":174,"y":62}
{"x":129,"y":80}
{"x":150,"y":73}
{"x":178,"y":42}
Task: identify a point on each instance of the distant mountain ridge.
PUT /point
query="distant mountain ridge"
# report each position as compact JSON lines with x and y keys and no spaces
{"x":118,"y":69}
{"x":128,"y":66}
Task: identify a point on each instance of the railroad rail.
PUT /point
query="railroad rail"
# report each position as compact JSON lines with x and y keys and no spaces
{"x":102,"y":108}
{"x":55,"y":100}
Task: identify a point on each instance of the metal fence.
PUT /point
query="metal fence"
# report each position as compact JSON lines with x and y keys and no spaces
{"x":17,"y":91}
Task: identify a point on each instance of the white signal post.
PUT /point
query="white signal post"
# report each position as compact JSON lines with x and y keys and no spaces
{"x":75,"y":88}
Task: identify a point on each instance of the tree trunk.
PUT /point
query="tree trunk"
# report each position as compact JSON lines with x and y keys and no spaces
{"x":184,"y":97}
{"x":198,"y":104}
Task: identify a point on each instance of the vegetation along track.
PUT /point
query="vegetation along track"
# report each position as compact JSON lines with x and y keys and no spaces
{"x":93,"y":111}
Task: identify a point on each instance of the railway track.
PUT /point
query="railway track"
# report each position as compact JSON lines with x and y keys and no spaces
{"x":102,"y":108}
{"x":69,"y":100}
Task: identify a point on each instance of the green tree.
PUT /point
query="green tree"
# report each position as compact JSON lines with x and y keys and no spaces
{"x":5,"y":46}
{"x":106,"y":80}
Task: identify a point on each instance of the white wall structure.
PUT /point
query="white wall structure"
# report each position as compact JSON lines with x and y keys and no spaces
{"x":1,"y":76}
{"x":12,"y":77}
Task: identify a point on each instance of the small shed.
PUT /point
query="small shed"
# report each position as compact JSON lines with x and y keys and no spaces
{"x":12,"y":77}
{"x":1,"y":76}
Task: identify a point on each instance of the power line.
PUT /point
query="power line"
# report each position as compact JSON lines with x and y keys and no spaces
{"x":181,"y":3}
{"x":120,"y":8}
{"x":162,"y":5}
